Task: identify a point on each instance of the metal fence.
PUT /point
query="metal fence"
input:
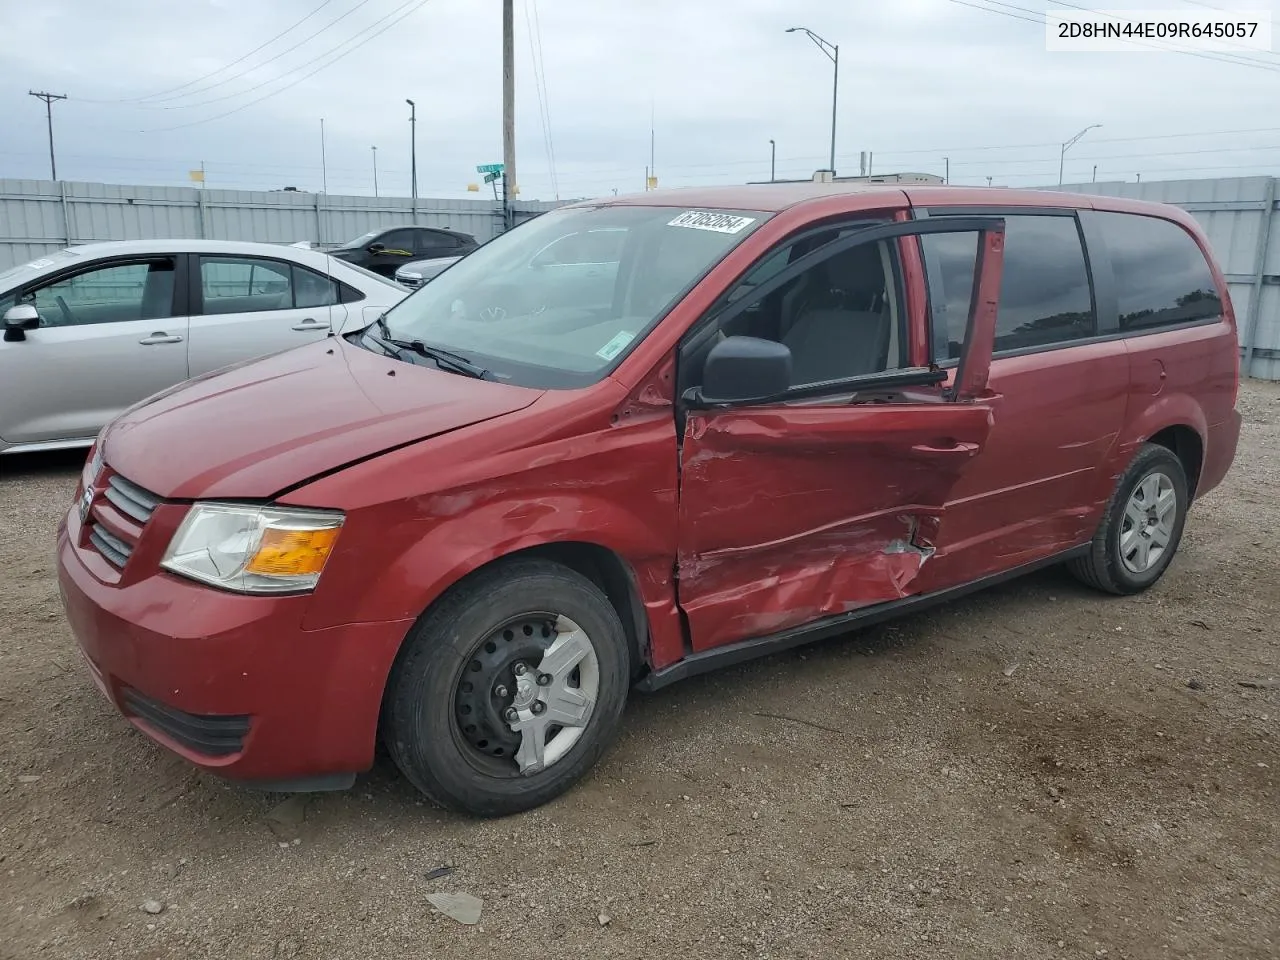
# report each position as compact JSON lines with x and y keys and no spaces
{"x":1237,"y":214}
{"x":40,"y":216}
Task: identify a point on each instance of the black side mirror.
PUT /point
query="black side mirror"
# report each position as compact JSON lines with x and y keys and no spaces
{"x":742,"y":369}
{"x":18,"y":319}
{"x":376,"y":247}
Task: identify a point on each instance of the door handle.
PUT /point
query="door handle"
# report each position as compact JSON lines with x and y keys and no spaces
{"x":160,"y":337}
{"x":956,"y":450}
{"x":310,"y":324}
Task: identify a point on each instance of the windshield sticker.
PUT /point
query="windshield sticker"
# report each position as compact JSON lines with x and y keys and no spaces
{"x":37,"y":264}
{"x":716,"y":222}
{"x":616,"y":345}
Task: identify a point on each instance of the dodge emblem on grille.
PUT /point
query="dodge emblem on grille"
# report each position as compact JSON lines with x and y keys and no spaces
{"x":86,"y":501}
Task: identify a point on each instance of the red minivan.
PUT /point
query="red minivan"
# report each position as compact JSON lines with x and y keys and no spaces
{"x":633,"y":440}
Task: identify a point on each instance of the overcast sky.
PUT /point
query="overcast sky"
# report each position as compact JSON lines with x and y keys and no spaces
{"x":919,"y":80}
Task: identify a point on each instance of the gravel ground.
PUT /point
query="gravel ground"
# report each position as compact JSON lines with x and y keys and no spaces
{"x":1036,"y":771}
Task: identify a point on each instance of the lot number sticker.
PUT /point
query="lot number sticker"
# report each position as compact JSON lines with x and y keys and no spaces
{"x":716,"y":222}
{"x":616,"y":345}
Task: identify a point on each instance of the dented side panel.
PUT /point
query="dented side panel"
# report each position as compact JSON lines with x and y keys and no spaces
{"x":789,"y":514}
{"x":1048,"y":466}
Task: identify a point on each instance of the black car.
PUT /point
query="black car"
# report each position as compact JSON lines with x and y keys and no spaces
{"x":384,"y":251}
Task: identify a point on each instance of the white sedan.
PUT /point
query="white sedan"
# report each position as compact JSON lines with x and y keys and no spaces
{"x":91,"y":330}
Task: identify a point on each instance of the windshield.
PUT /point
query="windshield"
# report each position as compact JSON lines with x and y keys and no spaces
{"x":560,"y":300}
{"x":25,"y":270}
{"x":359,"y":241}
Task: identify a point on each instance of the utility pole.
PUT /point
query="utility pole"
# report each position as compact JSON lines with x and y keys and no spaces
{"x":413,"y":154}
{"x":1095,"y":173}
{"x":946,"y":176}
{"x":653,"y":163}
{"x":324,"y":169}
{"x":509,"y":182}
{"x":375,"y":170}
{"x":773,"y":161}
{"x":48,"y":99}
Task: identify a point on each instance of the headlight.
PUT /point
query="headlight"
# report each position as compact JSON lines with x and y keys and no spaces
{"x":253,"y":549}
{"x":93,"y":466}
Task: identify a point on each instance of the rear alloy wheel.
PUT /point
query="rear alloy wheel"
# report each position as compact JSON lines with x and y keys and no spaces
{"x":1142,"y":526}
{"x":508,"y":690}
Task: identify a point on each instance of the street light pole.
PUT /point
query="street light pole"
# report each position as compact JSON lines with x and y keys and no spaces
{"x":773,"y":161}
{"x":833,"y":54}
{"x":413,"y":152}
{"x":1062,"y":157}
{"x":375,"y":170}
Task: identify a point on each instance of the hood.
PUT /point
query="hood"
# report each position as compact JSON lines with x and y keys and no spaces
{"x":252,"y":430}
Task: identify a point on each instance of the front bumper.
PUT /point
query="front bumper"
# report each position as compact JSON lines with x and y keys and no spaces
{"x":232,"y":683}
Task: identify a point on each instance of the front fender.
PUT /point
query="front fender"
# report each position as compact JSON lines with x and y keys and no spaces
{"x":389,"y":570}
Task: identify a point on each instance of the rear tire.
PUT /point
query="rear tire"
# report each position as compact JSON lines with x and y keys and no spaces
{"x":1141,"y":527}
{"x":529,"y":636}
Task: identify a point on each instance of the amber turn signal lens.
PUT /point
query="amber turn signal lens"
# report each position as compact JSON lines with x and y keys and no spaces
{"x":293,"y":552}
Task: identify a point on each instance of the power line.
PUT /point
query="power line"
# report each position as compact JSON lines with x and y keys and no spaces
{"x":156,"y":105}
{"x":413,"y":5}
{"x":225,"y":66}
{"x":1112,"y":16}
{"x":103,"y":160}
{"x":1231,"y":58}
{"x":540,"y":83}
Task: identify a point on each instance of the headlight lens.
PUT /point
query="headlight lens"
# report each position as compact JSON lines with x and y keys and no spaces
{"x":253,"y":549}
{"x":93,"y":466}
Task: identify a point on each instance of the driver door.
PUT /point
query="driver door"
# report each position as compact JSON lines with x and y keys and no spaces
{"x":829,"y":499}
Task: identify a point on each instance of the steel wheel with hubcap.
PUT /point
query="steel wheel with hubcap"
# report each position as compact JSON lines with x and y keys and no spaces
{"x":1142,"y":526}
{"x":508,"y":689}
{"x":528,"y":693}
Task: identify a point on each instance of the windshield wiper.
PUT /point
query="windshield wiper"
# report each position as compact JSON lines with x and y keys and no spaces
{"x":443,"y":358}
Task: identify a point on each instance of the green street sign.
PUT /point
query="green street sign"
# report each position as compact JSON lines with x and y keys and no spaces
{"x":495,"y":168}
{"x":490,"y":177}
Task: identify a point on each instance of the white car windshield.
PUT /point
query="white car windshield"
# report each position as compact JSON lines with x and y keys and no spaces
{"x":35,"y":267}
{"x":560,"y":300}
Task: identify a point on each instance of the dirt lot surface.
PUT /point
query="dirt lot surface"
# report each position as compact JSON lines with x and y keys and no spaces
{"x":1037,"y":771}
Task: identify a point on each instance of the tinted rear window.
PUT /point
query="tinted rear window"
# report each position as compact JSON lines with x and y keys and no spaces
{"x":1162,"y":278}
{"x":1044,"y":293}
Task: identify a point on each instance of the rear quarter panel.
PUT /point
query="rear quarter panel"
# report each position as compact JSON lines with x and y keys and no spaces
{"x":1187,"y":376}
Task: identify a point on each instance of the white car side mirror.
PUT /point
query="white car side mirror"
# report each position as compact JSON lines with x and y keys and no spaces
{"x":18,"y":319}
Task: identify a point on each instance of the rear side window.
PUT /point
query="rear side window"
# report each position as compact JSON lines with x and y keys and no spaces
{"x":1162,"y":278}
{"x":1045,"y":297}
{"x":255,"y":285}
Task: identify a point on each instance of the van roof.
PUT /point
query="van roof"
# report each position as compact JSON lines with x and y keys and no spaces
{"x":775,"y":197}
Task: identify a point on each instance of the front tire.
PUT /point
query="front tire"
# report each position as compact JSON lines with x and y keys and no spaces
{"x":1142,"y":527}
{"x":508,"y":690}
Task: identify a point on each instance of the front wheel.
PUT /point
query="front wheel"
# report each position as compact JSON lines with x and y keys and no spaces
{"x":1142,"y":526}
{"x":509,"y":689}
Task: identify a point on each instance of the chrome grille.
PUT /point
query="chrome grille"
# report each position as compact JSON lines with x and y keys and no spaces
{"x":132,"y":501}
